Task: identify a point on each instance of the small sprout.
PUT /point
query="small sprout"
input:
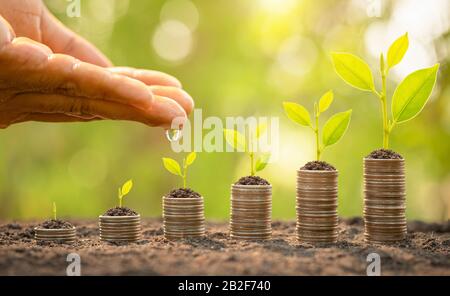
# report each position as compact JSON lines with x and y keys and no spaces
{"x":174,"y":167}
{"x":239,"y":142}
{"x":409,"y":97}
{"x":124,"y":190}
{"x":333,"y":129}
{"x":54,"y":211}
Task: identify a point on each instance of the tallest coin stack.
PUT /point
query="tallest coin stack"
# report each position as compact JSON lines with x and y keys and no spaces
{"x":384,"y":200}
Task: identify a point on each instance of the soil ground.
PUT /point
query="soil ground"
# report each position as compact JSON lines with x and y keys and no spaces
{"x":424,"y":252}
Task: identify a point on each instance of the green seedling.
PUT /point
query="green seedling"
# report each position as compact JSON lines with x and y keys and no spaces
{"x":333,"y":130}
{"x":239,"y":142}
{"x":409,"y":97}
{"x":54,"y":211}
{"x":124,"y":190}
{"x":174,"y":167}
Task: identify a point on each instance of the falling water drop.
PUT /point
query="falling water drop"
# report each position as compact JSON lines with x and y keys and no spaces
{"x":173,"y":135}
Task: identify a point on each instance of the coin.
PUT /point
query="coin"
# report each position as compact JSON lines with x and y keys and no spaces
{"x":251,"y":210}
{"x":316,"y":206}
{"x":384,"y":200}
{"x":120,"y":228}
{"x":63,"y":235}
{"x":183,"y":217}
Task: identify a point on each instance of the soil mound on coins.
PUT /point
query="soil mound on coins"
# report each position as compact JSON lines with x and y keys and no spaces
{"x":384,"y":154}
{"x":56,"y":224}
{"x":120,"y":211}
{"x":183,"y":193}
{"x":318,"y":166}
{"x":252,"y":180}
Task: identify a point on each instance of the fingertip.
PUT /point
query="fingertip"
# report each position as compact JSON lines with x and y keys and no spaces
{"x":165,"y":111}
{"x":177,"y":94}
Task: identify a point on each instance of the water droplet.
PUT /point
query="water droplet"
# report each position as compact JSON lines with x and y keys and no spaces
{"x":173,"y":135}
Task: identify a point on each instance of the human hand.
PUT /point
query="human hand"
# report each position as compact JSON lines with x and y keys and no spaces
{"x":37,"y":84}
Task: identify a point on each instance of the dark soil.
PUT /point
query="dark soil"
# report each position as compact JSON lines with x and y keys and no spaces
{"x":318,"y":166}
{"x":426,"y":251}
{"x":252,"y":180}
{"x":56,"y":224}
{"x":120,"y":211}
{"x":183,"y":193}
{"x":384,"y":154}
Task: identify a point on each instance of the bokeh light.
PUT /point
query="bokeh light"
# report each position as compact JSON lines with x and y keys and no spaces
{"x":172,"y":41}
{"x":181,"y":10}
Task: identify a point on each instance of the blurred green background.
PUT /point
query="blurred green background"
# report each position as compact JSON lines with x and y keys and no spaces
{"x":237,"y":58}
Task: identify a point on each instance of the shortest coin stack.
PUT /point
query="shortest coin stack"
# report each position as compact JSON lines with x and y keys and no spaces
{"x":120,"y":228}
{"x":384,"y":200}
{"x":183,"y":217}
{"x":61,"y":235}
{"x":251,"y":212}
{"x":317,"y":217}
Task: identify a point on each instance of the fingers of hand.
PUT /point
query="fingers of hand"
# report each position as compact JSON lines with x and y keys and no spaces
{"x":176,"y":94}
{"x":149,"y":77}
{"x":96,"y":82}
{"x":54,"y":117}
{"x":60,"y":84}
{"x":6,"y":32}
{"x":35,"y":106}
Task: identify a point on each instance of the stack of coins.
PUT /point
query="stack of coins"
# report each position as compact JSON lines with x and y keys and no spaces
{"x":384,"y":200}
{"x":120,"y":228}
{"x":251,"y":211}
{"x":61,"y":235}
{"x":183,"y":217}
{"x":317,"y":217}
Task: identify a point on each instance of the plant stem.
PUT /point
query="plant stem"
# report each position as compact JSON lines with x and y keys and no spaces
{"x":316,"y":131}
{"x":184,"y":173}
{"x":251,"y":153}
{"x":252,"y":168}
{"x":386,"y":128}
{"x":54,"y":211}
{"x":120,"y":201}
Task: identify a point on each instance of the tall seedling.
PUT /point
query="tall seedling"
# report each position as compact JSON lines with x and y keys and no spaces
{"x":174,"y":167}
{"x":333,"y":129}
{"x":248,"y":145}
{"x":409,"y":97}
{"x":124,"y":190}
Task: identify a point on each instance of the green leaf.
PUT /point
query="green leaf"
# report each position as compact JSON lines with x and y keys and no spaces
{"x":235,"y":139}
{"x":297,"y":113}
{"x":353,"y":70}
{"x":325,"y":101}
{"x":191,"y":158}
{"x":412,"y":94}
{"x":262,"y":161}
{"x":261,"y":129}
{"x":172,"y":166}
{"x":336,"y":127}
{"x":397,"y":51}
{"x":126,"y":187}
